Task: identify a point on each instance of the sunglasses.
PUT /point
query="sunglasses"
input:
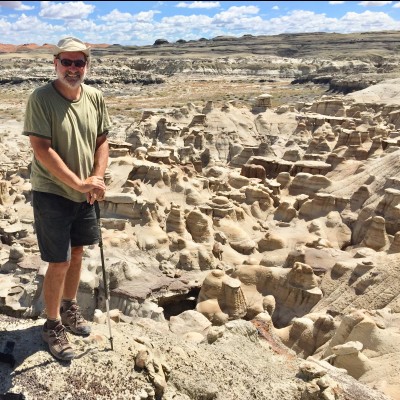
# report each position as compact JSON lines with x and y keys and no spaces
{"x":66,"y":62}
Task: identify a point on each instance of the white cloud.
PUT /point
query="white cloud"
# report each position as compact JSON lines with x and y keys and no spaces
{"x":336,"y":2}
{"x":199,"y":4}
{"x":26,"y":23}
{"x":70,"y":10}
{"x":368,"y":21}
{"x":374,"y":3}
{"x":29,"y":29}
{"x":234,"y":21}
{"x":143,"y":16}
{"x":296,"y":21}
{"x":5,"y":26}
{"x":275,"y":8}
{"x":143,"y":29}
{"x":116,"y":15}
{"x":146,"y":15}
{"x":186,"y":21}
{"x":16,"y":5}
{"x":397,"y":5}
{"x":235,"y":12}
{"x":308,"y":21}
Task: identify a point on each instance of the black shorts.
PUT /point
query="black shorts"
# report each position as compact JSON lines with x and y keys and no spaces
{"x":61,"y":223}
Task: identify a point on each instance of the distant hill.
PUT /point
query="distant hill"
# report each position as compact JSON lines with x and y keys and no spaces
{"x":345,"y":62}
{"x":302,"y":45}
{"x":296,"y":45}
{"x":26,"y":47}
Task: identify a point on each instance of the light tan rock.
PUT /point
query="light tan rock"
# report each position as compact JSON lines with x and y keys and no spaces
{"x":302,"y":276}
{"x":321,"y":205}
{"x":238,"y":239}
{"x":199,"y":226}
{"x":306,"y":183}
{"x":307,"y":334}
{"x":285,"y":212}
{"x":347,"y":348}
{"x":207,"y":302}
{"x":349,"y":357}
{"x":271,"y":242}
{"x":327,"y":106}
{"x":388,"y":208}
{"x":189,"y":321}
{"x":253,"y":171}
{"x":284,"y":179}
{"x":175,"y":221}
{"x":375,"y":236}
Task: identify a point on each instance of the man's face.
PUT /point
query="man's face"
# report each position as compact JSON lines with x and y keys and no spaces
{"x":70,"y":74}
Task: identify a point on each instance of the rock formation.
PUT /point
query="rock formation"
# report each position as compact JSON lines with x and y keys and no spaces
{"x":269,"y":231}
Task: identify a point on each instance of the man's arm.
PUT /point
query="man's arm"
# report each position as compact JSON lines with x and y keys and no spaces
{"x":100,"y":156}
{"x":99,"y":168}
{"x":46,"y":155}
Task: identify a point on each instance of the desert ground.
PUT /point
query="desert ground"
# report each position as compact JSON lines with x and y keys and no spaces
{"x":250,"y":225}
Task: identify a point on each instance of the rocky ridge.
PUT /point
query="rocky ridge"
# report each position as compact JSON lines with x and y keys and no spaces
{"x":345,"y":62}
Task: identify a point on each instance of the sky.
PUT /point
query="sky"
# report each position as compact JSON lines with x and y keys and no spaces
{"x":139,"y":23}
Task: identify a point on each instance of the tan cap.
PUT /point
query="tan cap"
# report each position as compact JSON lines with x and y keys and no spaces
{"x":71,"y":44}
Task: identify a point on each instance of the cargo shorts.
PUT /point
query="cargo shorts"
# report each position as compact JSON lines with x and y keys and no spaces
{"x":61,"y":223}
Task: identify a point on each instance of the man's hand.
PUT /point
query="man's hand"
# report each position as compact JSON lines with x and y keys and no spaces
{"x":91,"y":183}
{"x":94,"y":187}
{"x":99,"y":168}
{"x":95,"y":194}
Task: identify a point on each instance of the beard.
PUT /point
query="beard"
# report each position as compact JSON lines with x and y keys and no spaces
{"x":71,"y":80}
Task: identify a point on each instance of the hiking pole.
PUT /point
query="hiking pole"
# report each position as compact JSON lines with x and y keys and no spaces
{"x":97,"y":209}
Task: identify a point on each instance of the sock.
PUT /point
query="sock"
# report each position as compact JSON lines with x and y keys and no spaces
{"x":52,"y":323}
{"x":66,"y":304}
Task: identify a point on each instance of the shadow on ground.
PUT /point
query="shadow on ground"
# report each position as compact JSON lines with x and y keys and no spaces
{"x":16,"y":347}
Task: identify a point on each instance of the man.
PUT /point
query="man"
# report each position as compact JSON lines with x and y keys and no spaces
{"x":67,"y":124}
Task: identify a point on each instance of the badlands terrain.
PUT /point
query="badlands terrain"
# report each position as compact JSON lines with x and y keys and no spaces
{"x":251,"y":224}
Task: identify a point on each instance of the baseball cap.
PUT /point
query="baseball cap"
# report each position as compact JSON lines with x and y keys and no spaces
{"x":71,"y":44}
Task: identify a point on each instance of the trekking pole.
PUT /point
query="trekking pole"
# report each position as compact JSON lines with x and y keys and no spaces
{"x":97,"y":209}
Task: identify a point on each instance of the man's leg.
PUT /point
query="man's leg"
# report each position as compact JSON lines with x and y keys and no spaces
{"x":53,"y":288}
{"x":70,"y":312}
{"x":84,"y":232}
{"x":73,"y":275}
{"x":53,"y":331}
{"x":53,"y":219}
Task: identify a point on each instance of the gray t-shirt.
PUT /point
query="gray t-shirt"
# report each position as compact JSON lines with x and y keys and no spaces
{"x":72,"y":127}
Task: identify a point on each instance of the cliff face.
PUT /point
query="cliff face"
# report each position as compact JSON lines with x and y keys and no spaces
{"x":302,"y":45}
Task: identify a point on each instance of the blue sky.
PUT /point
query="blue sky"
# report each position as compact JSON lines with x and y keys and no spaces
{"x":142,"y":22}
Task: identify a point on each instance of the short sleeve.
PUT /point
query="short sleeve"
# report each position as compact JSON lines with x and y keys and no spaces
{"x":37,"y":120}
{"x":104,"y":121}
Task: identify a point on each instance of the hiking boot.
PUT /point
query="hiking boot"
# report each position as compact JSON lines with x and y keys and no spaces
{"x":58,"y":342}
{"x":73,"y":320}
